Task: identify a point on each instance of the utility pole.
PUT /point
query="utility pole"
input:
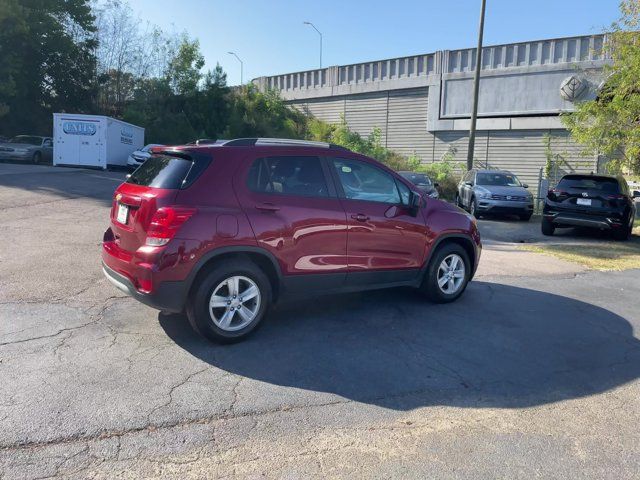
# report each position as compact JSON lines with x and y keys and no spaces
{"x":241,"y":66}
{"x":476,"y":89}
{"x":319,"y":33}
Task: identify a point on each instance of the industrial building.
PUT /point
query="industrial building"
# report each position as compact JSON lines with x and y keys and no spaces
{"x":422,"y":103}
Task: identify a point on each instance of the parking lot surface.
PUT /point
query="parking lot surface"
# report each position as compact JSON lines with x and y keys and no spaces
{"x":532,"y":373}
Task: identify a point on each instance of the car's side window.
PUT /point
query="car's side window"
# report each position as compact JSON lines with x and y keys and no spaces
{"x":362,"y":181}
{"x":288,"y":175}
{"x":405,"y":192}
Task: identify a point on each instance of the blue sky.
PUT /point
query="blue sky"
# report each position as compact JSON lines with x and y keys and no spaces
{"x":271,"y":38}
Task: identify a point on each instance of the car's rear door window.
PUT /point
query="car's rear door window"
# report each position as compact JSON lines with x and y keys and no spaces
{"x":288,"y":175}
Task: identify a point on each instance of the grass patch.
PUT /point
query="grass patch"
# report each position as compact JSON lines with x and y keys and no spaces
{"x":598,"y":256}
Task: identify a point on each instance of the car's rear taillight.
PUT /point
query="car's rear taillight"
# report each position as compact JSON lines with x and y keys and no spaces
{"x":165,"y":223}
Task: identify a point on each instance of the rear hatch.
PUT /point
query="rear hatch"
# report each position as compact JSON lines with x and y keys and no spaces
{"x":154,"y":185}
{"x":587,"y":194}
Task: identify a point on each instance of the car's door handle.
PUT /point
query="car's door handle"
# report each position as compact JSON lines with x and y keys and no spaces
{"x":267,"y":207}
{"x":361,"y":217}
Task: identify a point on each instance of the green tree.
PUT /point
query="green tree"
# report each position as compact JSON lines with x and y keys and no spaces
{"x":610,"y":124}
{"x":47,"y":62}
{"x":254,"y":113}
{"x":185,"y":68}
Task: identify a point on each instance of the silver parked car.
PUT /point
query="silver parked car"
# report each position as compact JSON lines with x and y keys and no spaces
{"x":138,"y":157}
{"x":27,"y":148}
{"x":484,"y":192}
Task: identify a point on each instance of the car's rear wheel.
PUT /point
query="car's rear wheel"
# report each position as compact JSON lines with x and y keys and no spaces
{"x":525,"y":217}
{"x":230,"y":301}
{"x":37,"y":158}
{"x":547,"y":227}
{"x":622,"y":234}
{"x":448,"y":274}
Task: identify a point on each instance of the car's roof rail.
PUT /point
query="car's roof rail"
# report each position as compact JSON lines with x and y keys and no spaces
{"x":250,"y":142}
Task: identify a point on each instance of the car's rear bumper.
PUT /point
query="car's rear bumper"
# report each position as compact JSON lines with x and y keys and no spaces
{"x":570,"y":219}
{"x":167,"y":296}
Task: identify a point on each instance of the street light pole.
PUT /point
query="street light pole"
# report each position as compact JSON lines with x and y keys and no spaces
{"x":319,"y":33}
{"x":241,"y":66}
{"x":476,"y":89}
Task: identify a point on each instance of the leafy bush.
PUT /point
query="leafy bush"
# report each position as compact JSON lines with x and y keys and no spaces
{"x":446,"y":173}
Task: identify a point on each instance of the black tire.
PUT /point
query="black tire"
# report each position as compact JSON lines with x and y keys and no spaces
{"x":37,"y":158}
{"x":430,"y":282}
{"x":547,"y":227}
{"x":198,"y":303}
{"x":473,"y":207}
{"x":622,"y":234}
{"x":525,"y":217}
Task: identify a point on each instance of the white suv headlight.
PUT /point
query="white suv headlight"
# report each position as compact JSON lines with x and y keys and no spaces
{"x":483,"y":193}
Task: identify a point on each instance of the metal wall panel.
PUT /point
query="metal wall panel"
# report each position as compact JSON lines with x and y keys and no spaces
{"x":329,"y":110}
{"x":407,"y":123}
{"x":456,"y":144}
{"x":363,"y":113}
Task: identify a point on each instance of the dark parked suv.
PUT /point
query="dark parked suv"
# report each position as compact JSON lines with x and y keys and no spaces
{"x":222,"y":231}
{"x":595,"y":201}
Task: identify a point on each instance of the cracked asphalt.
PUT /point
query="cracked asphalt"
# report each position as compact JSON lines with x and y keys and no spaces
{"x":532,"y":373}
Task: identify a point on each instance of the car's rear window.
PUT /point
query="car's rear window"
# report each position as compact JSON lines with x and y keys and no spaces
{"x":589,"y":182}
{"x":161,"y":171}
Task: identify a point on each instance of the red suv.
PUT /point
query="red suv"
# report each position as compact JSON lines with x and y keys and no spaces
{"x":223,"y":231}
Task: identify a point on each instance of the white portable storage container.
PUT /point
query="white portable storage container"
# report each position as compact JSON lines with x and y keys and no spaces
{"x":93,"y":140}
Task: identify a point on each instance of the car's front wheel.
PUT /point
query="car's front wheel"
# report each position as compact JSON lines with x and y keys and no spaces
{"x":230,"y":301}
{"x":37,"y":158}
{"x":448,"y":274}
{"x":473,"y":208}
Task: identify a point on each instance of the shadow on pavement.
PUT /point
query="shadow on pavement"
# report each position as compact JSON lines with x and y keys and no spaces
{"x":498,"y":346}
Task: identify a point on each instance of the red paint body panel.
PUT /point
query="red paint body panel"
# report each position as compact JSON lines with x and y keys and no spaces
{"x":302,"y":235}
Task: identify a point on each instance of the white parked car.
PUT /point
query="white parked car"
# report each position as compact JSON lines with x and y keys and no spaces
{"x":138,"y":157}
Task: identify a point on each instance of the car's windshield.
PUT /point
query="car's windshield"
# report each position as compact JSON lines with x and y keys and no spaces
{"x":417,"y":178}
{"x":497,"y":179}
{"x":27,"y":139}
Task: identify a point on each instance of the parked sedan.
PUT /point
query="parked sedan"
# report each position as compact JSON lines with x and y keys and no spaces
{"x":599,"y":202}
{"x":27,"y":148}
{"x":494,"y":192}
{"x":138,"y":157}
{"x":422,"y":183}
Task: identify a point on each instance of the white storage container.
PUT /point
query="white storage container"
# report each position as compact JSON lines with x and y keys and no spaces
{"x":93,"y":140}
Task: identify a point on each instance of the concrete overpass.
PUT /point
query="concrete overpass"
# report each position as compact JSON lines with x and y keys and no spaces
{"x":422,"y":103}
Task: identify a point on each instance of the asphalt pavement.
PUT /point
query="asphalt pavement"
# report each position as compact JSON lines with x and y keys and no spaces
{"x":532,"y":373}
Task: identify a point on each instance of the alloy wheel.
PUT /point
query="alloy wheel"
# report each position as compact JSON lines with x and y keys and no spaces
{"x":234,"y":303}
{"x":451,"y":274}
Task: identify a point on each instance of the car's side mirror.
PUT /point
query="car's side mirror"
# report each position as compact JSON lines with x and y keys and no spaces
{"x":436,"y":185}
{"x":415,"y":200}
{"x":525,"y":185}
{"x":469,"y":183}
{"x":636,"y":194}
